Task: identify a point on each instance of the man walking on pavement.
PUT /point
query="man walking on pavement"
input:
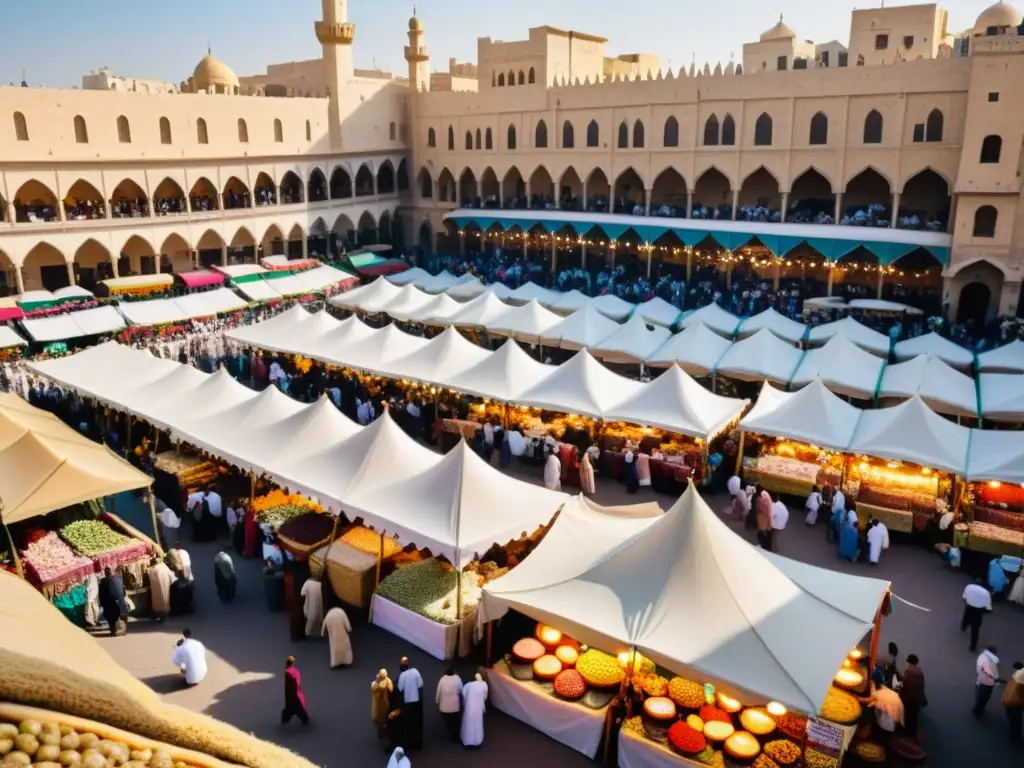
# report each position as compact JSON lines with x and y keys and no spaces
{"x":988,"y":676}
{"x":977,"y":602}
{"x":410,"y":686}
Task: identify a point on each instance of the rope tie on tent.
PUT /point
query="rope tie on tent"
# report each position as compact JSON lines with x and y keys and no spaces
{"x":912,"y":605}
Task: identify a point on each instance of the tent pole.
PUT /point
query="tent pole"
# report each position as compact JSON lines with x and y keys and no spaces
{"x":739,"y":454}
{"x":875,"y":637}
{"x":458,"y":612}
{"x":156,"y":523}
{"x":14,"y":549}
{"x":380,"y":557}
{"x":252,"y":487}
{"x":156,"y":440}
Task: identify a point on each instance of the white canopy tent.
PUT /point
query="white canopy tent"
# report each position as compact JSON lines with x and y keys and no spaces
{"x":281,"y":333}
{"x":73,"y":292}
{"x":645,"y":592}
{"x":677,"y":403}
{"x":446,"y":355}
{"x":445,"y":281}
{"x":582,"y":386}
{"x":1008,"y":358}
{"x":696,"y":349}
{"x":528,"y":322}
{"x":715,"y":318}
{"x":761,"y":356}
{"x":843,"y":366}
{"x":468,"y":290}
{"x":407,"y":301}
{"x":1002,"y":396}
{"x":859,"y":334}
{"x":208,"y":303}
{"x":308,"y":281}
{"x":74,"y":325}
{"x":784,"y":327}
{"x":942,"y":387}
{"x":503,"y":375}
{"x":375,"y":295}
{"x":658,"y":311}
{"x":571,"y":301}
{"x":257,"y":290}
{"x":633,"y":342}
{"x":528,"y":292}
{"x":409,"y":277}
{"x":438,"y":311}
{"x":481,"y":311}
{"x":377,"y":352}
{"x":9,"y":338}
{"x":462,"y":506}
{"x":995,"y":455}
{"x":585,"y":327}
{"x":881,"y":305}
{"x":611,"y":306}
{"x":912,"y":432}
{"x":949,"y":352}
{"x":811,"y":415}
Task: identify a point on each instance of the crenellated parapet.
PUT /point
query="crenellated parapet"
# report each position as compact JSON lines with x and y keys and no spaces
{"x":334,"y":33}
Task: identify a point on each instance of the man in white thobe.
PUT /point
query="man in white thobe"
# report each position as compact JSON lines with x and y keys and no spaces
{"x":780,"y":516}
{"x":474,"y":704}
{"x":190,"y":657}
{"x":410,"y":686}
{"x":313,"y":608}
{"x":449,"y":701}
{"x":552,"y":473}
{"x":399,"y":759}
{"x":878,"y":539}
{"x":336,"y":628}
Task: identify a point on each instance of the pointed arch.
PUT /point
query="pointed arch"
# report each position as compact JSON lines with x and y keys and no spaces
{"x":599,"y":191}
{"x":242,"y":238}
{"x":426,"y":184}
{"x":670,"y":134}
{"x":763,"y":130}
{"x":510,"y":141}
{"x":811,"y":199}
{"x":513,"y":189}
{"x":867,"y":194}
{"x":985,"y":219}
{"x":426,"y":237}
{"x":235,"y":194}
{"x":759,"y":193}
{"x":20,"y":127}
{"x":531,"y":78}
{"x":501,"y":78}
{"x":291,"y":189}
{"x":364,"y":181}
{"x":210,"y":240}
{"x":124,"y":130}
{"x":367,"y":231}
{"x":991,"y":149}
{"x":478,"y":144}
{"x":81,"y":130}
{"x":490,"y":188}
{"x":203,"y":196}
{"x":175,"y":243}
{"x":622,"y":141}
{"x":488,"y":139}
{"x":202,"y":135}
{"x":40,"y":256}
{"x":522,"y":78}
{"x":873,"y":127}
{"x":343,"y":227}
{"x":341,"y":184}
{"x":265,"y":189}
{"x":629,"y":191}
{"x":540,"y":135}
{"x":243,"y":131}
{"x":128,"y":200}
{"x":386,"y":178}
{"x":431,"y":138}
{"x":468,"y":193}
{"x":83,"y":201}
{"x":668,"y":194}
{"x":542,"y":188}
{"x":278,"y":131}
{"x":469,"y":140}
{"x":318,"y":228}
{"x":819,"y":130}
{"x":570,"y":190}
{"x":933,"y":126}
{"x":638,"y":135}
{"x":402,"y":176}
{"x":446,"y":189}
{"x":711,"y":131}
{"x":296,"y":233}
{"x":729,"y":131}
{"x":712,"y":192}
{"x":168,"y":197}
{"x":91,"y":254}
{"x":34,"y":201}
{"x":317,"y":186}
{"x":593,"y":134}
{"x":568,"y":135}
{"x":925,"y":202}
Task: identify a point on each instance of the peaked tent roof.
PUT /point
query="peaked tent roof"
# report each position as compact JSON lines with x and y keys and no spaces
{"x":407,"y":300}
{"x":843,"y":366}
{"x":377,"y":351}
{"x":370,"y":298}
{"x":528,"y":322}
{"x":277,"y":333}
{"x":646,"y":591}
{"x":467,"y":290}
{"x":463,"y":506}
{"x":46,"y":465}
{"x":941,"y":386}
{"x":912,"y":432}
{"x":409,"y":276}
{"x":445,"y":281}
{"x":1002,"y":397}
{"x":811,"y":415}
{"x":612,"y":306}
{"x":530,"y":291}
{"x":585,"y":327}
{"x":1008,"y":358}
{"x":931,"y":343}
{"x":858,"y":333}
{"x":674,"y":401}
{"x":447,"y":354}
{"x":761,"y":356}
{"x":995,"y":455}
{"x":571,"y":301}
{"x":503,"y":375}
{"x":715,"y":318}
{"x":581,"y":385}
{"x":633,"y":342}
{"x":438,"y":311}
{"x":696,"y":349}
{"x":785,"y":328}
{"x":658,"y":311}
{"x":484,"y":309}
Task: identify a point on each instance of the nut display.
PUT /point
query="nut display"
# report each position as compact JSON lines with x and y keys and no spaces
{"x":546,"y":667}
{"x":870,"y":752}
{"x":569,"y":685}
{"x":742,"y":746}
{"x":757,"y":721}
{"x":528,"y":650}
{"x":685,"y":739}
{"x":599,"y":669}
{"x":782,"y":751}
{"x":815,"y":759}
{"x":655,"y":685}
{"x":763,"y":761}
{"x":634,"y":725}
{"x":686,"y":693}
{"x":793,"y":725}
{"x":841,"y":707}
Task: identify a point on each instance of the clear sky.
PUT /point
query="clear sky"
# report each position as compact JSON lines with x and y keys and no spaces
{"x":55,"y":42}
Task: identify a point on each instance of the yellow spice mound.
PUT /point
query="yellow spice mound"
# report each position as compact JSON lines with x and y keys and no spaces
{"x":50,"y":663}
{"x":599,"y":669}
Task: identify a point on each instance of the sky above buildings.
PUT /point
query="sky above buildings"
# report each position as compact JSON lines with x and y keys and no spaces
{"x":55,"y":42}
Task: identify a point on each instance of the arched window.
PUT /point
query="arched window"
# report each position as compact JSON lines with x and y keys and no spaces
{"x":478,"y":138}
{"x":540,"y":137}
{"x":469,"y":139}
{"x":623,"y":141}
{"x":991,"y":148}
{"x":671,"y":134}
{"x":243,"y":131}
{"x":711,"y":132}
{"x":763,"y":130}
{"x":568,"y":135}
{"x":873,"y":127}
{"x":81,"y":130}
{"x":488,"y":139}
{"x":393,"y":131}
{"x":278,"y":131}
{"x":201,"y":135}
{"x":501,"y":79}
{"x":165,"y":131}
{"x":729,"y":131}
{"x":819,"y":130}
{"x":933,"y":126}
{"x":511,"y":142}
{"x":124,"y":131}
{"x":531,"y":77}
{"x":309,"y":131}
{"x":451,"y":139}
{"x":431,"y":137}
{"x":985,"y":221}
{"x":593,"y":134}
{"x":638,"y":135}
{"x":522,"y":77}
{"x":20,"y":127}
{"x":511,"y":77}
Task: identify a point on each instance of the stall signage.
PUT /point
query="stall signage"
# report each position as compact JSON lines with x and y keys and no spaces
{"x":824,"y":737}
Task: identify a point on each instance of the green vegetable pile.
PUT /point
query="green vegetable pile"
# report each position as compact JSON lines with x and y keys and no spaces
{"x":92,"y":538}
{"x":427,"y":589}
{"x":275,"y":517}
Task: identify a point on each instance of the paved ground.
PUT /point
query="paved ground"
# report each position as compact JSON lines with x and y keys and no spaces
{"x":247,"y":647}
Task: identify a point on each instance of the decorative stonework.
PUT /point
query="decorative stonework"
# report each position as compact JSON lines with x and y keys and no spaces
{"x":416,"y":53}
{"x":329,"y":33}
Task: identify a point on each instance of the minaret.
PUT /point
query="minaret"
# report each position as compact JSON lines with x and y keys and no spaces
{"x":416,"y":55}
{"x":336,"y":35}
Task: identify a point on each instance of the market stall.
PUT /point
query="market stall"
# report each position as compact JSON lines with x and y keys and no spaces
{"x":659,"y":312}
{"x":941,"y":386}
{"x":761,"y":357}
{"x":199,"y":278}
{"x":714,"y":317}
{"x":570,"y":301}
{"x":991,"y":514}
{"x":584,"y":328}
{"x":472,"y":289}
{"x":10,"y":342}
{"x":612,"y":307}
{"x":528,"y":322}
{"x":530,"y":291}
{"x":1008,"y":358}
{"x":136,"y":286}
{"x":1001,"y":397}
{"x":945,"y":350}
{"x":409,"y":276}
{"x":408,"y":299}
{"x":633,"y":342}
{"x":785,"y":328}
{"x":74,"y":325}
{"x":843,"y":367}
{"x":858,"y":333}
{"x":696,"y":349}
{"x":477,"y":313}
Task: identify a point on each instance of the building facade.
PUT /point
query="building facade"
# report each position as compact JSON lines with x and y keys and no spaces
{"x":907,"y":127}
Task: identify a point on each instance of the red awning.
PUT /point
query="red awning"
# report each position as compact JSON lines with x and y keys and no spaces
{"x":200,"y":278}
{"x":10,"y":313}
{"x":390,"y":267}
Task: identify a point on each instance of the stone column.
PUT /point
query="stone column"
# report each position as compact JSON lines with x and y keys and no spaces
{"x":649,"y":259}
{"x":785,"y":206}
{"x":71,"y":272}
{"x":224,"y":255}
{"x":735,"y":205}
{"x":1009,"y":296}
{"x":895,"y":210}
{"x":554,"y":253}
{"x":584,"y":197}
{"x":12,"y":214}
{"x":107,"y":212}
{"x":689,"y":260}
{"x":113,"y":266}
{"x":881,"y":281}
{"x":583,"y":255}
{"x":305,"y":247}
{"x":839,"y":209}
{"x":689,"y":204}
{"x":776,"y":274}
{"x":19,"y":280}
{"x":831,"y":267}
{"x":647,"y":207}
{"x":62,"y":215}
{"x":462,"y":243}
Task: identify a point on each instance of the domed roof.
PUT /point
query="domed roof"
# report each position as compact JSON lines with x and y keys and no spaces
{"x":415,"y":25}
{"x":779,"y":32}
{"x":999,"y":15}
{"x":212,"y":72}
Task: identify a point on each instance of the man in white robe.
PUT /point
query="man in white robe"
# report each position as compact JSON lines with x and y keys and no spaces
{"x":878,"y":539}
{"x":587,"y":484}
{"x":313,"y":608}
{"x":474,"y":704}
{"x":399,"y":759}
{"x":553,"y":473}
{"x":337,"y":628}
{"x":160,"y":579}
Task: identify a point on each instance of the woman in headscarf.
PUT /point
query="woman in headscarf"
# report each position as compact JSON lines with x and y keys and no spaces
{"x":380,"y":701}
{"x":224,"y":575}
{"x":849,"y":541}
{"x":113,"y":602}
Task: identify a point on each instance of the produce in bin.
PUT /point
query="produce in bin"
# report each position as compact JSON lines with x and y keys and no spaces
{"x":686,"y":693}
{"x":50,"y":560}
{"x":757,"y":721}
{"x":430,"y":589}
{"x":569,"y":685}
{"x":599,"y":670}
{"x":278,"y":507}
{"x":841,"y":707}
{"x":567,"y":654}
{"x":546,"y":667}
{"x":742,"y":746}
{"x":782,"y":751}
{"x":527,"y":650}
{"x":306,"y":533}
{"x":93,"y":538}
{"x":717,"y":731}
{"x":684,"y":739}
{"x":368,"y":541}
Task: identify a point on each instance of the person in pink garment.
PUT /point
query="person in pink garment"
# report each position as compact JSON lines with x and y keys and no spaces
{"x":294,"y":698}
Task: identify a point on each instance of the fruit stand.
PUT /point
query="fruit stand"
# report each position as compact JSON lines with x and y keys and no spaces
{"x":992,"y":519}
{"x":904,"y":497}
{"x":176,"y":475}
{"x":792,"y":468}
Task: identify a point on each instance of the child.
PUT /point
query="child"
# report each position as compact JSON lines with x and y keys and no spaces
{"x":812,"y":505}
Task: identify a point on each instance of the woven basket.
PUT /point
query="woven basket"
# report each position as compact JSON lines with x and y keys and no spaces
{"x":353,"y":574}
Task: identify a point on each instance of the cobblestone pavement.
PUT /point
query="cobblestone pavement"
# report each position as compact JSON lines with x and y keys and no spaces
{"x":247,"y":646}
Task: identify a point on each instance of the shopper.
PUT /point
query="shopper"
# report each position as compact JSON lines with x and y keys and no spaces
{"x":410,"y":686}
{"x":449,"y":702}
{"x":988,"y":675}
{"x":1013,"y":701}
{"x":190,"y":657}
{"x":977,"y":602}
{"x":812,"y":505}
{"x":763,"y":513}
{"x":913,"y":695}
{"x":294,"y":698}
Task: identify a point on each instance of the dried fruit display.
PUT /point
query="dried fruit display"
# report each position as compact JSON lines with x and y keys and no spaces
{"x":307,"y":529}
{"x":50,"y":560}
{"x":695,"y":722}
{"x":718,"y":731}
{"x":569,"y":685}
{"x":546,"y":667}
{"x":599,"y":669}
{"x":431,"y":590}
{"x":686,"y":693}
{"x":742,"y":746}
{"x":655,"y":685}
{"x":528,"y":650}
{"x":793,"y":725}
{"x":660,"y":708}
{"x":848,"y":677}
{"x":840,"y":707}
{"x":368,"y":541}
{"x":815,"y":759}
{"x":567,"y":655}
{"x":757,"y":721}
{"x":709,"y":713}
{"x":685,"y":739}
{"x":782,"y":751}
{"x":763,"y":761}
{"x":727,"y":703}
{"x":633,"y":724}
{"x":870,"y":752}
{"x":550,"y":636}
{"x":643,"y":666}
{"x":92,"y":538}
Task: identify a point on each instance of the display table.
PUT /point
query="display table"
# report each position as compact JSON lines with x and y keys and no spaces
{"x":894,"y":519}
{"x":994,"y":540}
{"x":636,"y":751}
{"x":436,"y":639}
{"x":566,"y":722}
